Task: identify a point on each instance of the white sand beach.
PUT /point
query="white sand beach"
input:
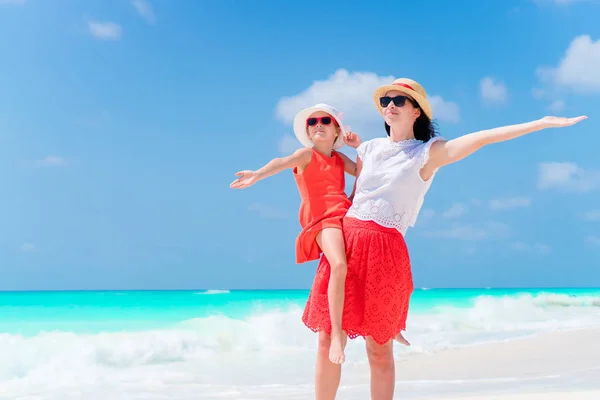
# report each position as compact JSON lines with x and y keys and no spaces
{"x":574,"y":395}
{"x":560,"y":365}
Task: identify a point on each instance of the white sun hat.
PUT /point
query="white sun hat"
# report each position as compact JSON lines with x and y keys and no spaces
{"x":302,"y":116}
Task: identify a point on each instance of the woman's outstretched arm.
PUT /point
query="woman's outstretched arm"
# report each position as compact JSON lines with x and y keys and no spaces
{"x":448,"y":152}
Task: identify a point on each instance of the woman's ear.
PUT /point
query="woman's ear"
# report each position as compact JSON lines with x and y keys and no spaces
{"x":416,"y":113}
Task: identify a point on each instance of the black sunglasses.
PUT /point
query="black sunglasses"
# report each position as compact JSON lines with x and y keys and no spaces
{"x":399,"y":101}
{"x":313,"y":121}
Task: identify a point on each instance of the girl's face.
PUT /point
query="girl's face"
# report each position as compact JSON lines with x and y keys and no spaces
{"x":322,"y":128}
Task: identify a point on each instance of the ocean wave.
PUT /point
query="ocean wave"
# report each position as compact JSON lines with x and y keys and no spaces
{"x":214,"y":291}
{"x":219,"y":350}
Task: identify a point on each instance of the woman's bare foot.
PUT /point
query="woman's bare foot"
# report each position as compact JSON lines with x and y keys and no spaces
{"x":399,"y":338}
{"x":336,"y":349}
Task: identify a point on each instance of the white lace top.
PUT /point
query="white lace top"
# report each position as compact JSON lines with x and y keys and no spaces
{"x":389,"y":189}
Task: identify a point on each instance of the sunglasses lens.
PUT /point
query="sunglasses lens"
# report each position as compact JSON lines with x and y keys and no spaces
{"x":313,"y":121}
{"x":399,"y":101}
{"x":385,"y":101}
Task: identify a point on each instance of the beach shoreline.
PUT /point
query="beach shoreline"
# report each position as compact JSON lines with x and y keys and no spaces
{"x":556,"y":365}
{"x":232,"y":345}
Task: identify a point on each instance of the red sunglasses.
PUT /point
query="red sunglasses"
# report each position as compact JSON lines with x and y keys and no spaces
{"x":312,"y":121}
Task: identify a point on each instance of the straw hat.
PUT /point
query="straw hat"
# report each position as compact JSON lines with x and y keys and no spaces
{"x":409,"y":87}
{"x":302,"y":116}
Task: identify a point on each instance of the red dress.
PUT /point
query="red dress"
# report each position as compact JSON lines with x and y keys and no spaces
{"x":323,"y":201}
{"x":378,"y":284}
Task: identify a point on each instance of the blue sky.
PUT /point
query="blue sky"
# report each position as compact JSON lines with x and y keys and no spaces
{"x":122,"y":124}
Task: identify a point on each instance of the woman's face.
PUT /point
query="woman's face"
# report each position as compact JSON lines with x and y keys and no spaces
{"x":405,"y":112}
{"x":322,"y":128}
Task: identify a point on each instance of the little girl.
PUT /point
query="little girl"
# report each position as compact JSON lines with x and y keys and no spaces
{"x":318,"y":170}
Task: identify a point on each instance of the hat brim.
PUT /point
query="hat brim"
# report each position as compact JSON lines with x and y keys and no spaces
{"x":300,"y":127}
{"x":382,"y":90}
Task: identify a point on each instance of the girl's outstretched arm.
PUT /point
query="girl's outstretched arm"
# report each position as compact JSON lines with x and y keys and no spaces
{"x":447,"y":152}
{"x":300,"y":158}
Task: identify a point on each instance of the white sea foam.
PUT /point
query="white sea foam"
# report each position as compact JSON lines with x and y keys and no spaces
{"x":269,"y":355}
{"x":214,"y":291}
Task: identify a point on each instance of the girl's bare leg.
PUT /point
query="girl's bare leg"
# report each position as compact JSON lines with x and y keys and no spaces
{"x":331,"y":241}
{"x":327,"y":374}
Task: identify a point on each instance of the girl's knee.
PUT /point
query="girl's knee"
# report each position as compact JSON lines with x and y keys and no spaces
{"x":339,"y":268}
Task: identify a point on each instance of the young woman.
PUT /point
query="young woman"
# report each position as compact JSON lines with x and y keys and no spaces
{"x":393,"y":176}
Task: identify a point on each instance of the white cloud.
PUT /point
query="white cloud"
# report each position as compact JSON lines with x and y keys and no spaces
{"x":540,"y":248}
{"x":567,"y":176}
{"x":579,"y":68}
{"x":510,"y":202}
{"x":53,"y":161}
{"x":593,"y":240}
{"x":348,"y":92}
{"x":105,"y":30}
{"x":443,"y":110}
{"x":428,"y":213}
{"x":540,"y":94}
{"x":288,"y":144}
{"x":593,"y":215}
{"x":470,"y":231}
{"x":492,"y":92}
{"x":266,"y":211}
{"x":351,"y":93}
{"x":27,"y":247}
{"x":455,"y":211}
{"x":144,"y":9}
{"x":557,"y":106}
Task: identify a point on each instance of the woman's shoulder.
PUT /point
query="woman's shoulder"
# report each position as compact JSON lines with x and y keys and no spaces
{"x":368,"y":145}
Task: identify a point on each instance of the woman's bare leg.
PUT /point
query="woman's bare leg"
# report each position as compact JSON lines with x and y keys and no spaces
{"x":327,"y":374}
{"x":383,"y":370}
{"x":331,"y":241}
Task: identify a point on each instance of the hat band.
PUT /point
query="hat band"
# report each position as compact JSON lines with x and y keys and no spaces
{"x":404,"y":85}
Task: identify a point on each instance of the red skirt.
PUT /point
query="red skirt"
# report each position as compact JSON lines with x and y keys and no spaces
{"x":378,"y":284}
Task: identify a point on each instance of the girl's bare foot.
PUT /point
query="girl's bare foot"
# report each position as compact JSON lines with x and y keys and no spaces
{"x":336,"y":349}
{"x":399,"y":338}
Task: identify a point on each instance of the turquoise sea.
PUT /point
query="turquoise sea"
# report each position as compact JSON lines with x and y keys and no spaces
{"x":233,"y":344}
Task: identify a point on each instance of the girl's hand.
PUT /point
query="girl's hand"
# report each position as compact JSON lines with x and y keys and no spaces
{"x":352,"y":139}
{"x":559,"y":122}
{"x":245,"y":178}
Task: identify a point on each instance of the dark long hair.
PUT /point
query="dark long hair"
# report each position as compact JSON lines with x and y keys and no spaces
{"x":424,"y":128}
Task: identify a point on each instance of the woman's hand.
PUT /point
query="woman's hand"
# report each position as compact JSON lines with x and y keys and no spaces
{"x":559,"y":122}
